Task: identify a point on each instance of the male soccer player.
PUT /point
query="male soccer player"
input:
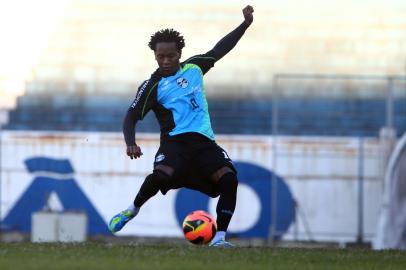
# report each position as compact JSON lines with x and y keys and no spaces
{"x":188,"y":155}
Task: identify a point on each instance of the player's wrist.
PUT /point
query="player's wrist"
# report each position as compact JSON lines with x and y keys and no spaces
{"x":132,"y":145}
{"x":247,"y":23}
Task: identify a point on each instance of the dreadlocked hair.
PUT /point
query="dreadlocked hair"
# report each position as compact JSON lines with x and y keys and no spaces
{"x":167,"y":35}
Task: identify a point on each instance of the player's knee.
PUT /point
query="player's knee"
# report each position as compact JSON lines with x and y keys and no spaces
{"x":228,"y":181}
{"x":158,"y":179}
{"x":213,"y":192}
{"x":217,"y":175}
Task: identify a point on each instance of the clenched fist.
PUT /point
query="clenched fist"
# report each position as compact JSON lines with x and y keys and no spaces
{"x":247,"y":12}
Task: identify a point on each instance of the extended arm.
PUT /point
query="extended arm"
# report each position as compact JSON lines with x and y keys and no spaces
{"x":227,"y":43}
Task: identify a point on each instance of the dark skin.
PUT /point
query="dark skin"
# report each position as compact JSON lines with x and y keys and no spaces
{"x":168,"y":58}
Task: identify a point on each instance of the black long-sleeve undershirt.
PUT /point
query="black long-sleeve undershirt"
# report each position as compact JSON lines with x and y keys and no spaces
{"x":227,"y":43}
{"x":129,"y":124}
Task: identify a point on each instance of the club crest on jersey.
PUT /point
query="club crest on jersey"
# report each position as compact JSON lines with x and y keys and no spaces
{"x":182,"y":82}
{"x":159,"y":157}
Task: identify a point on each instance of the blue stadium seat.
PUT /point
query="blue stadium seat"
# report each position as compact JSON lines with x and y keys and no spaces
{"x":329,"y":117}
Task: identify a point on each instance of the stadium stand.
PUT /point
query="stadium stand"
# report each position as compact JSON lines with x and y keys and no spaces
{"x":87,"y":73}
{"x":329,"y":117}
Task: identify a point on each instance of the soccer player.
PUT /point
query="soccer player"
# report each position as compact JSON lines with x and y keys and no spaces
{"x":188,"y":155}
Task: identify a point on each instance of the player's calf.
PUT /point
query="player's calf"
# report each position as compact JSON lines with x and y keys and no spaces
{"x":228,"y":184}
{"x":152,"y":184}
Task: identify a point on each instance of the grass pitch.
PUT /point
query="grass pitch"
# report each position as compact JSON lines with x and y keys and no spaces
{"x":119,"y":256}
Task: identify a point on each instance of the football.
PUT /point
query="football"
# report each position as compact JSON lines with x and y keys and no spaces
{"x":199,"y":227}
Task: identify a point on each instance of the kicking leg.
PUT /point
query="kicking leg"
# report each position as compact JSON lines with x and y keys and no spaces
{"x":152,"y":184}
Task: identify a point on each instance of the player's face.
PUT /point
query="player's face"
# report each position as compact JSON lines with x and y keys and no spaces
{"x":167,"y":56}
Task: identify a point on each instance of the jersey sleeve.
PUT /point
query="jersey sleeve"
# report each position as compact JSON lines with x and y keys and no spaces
{"x":225,"y":45}
{"x":204,"y":61}
{"x":144,"y":101}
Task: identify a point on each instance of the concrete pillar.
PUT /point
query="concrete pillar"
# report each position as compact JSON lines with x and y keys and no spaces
{"x":387,"y":140}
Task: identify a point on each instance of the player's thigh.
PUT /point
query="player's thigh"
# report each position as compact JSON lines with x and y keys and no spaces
{"x":197,"y":181}
{"x":170,"y":158}
{"x":213,"y":162}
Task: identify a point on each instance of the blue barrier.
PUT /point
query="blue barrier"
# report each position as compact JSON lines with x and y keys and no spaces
{"x":35,"y":198}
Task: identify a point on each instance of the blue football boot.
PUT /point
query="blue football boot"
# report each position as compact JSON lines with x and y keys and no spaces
{"x":119,"y":220}
{"x":221,"y":243}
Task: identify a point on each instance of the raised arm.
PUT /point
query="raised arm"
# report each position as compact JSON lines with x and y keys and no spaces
{"x":228,"y":42}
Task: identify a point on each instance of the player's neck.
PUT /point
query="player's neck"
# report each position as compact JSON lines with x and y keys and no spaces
{"x":168,"y":74}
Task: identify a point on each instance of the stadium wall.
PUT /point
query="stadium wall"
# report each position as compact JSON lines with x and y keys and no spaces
{"x":318,"y":179}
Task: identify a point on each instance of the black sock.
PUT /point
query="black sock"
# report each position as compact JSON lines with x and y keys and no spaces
{"x":228,"y":184}
{"x":152,"y":184}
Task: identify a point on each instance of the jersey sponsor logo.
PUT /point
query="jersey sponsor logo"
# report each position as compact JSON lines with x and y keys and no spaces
{"x":159,"y":157}
{"x":182,"y":82}
{"x":165,"y":85}
{"x":196,"y":89}
{"x":139,"y":94}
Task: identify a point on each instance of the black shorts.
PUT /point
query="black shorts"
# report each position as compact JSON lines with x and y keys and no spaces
{"x":194,"y":159}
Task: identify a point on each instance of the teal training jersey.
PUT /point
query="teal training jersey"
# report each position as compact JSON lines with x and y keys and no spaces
{"x":178,"y":101}
{"x":183,"y":94}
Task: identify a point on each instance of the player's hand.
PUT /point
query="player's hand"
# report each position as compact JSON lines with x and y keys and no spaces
{"x":134,"y":151}
{"x":247,"y":12}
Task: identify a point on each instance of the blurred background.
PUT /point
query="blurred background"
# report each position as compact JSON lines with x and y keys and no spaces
{"x":311,"y":105}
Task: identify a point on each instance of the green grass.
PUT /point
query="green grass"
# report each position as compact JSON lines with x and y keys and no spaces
{"x":119,"y":256}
